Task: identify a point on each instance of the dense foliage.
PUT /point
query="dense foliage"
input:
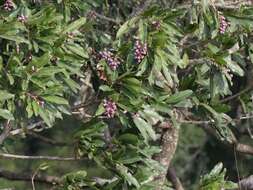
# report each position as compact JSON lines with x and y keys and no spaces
{"x":122,"y":75}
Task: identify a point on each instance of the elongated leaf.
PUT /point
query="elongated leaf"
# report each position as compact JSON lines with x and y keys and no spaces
{"x":43,"y":60}
{"x":235,"y":68}
{"x":74,"y":25}
{"x":44,"y":115}
{"x":56,"y":100}
{"x":145,"y":128}
{"x":4,"y":95}
{"x":127,"y":175}
{"x":126,"y":27}
{"x":6,"y":114}
{"x":78,"y":50}
{"x":175,"y":98}
{"x":15,"y":38}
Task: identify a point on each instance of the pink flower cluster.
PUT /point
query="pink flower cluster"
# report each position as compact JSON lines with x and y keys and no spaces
{"x":156,"y":24}
{"x":110,"y":108}
{"x":223,"y":24}
{"x":22,"y":18}
{"x":8,"y":5}
{"x":140,"y":50}
{"x":110,"y":59}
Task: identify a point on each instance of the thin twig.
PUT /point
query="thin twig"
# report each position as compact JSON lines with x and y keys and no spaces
{"x":29,"y":127}
{"x":237,"y":169}
{"x":46,"y":140}
{"x":33,"y":176}
{"x":100,"y":16}
{"x":239,"y":147}
{"x":49,"y":158}
{"x":201,"y":122}
{"x":236,"y":95}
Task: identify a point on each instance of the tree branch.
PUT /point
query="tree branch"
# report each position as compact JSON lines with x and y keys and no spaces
{"x":227,"y":5}
{"x":5,"y":133}
{"x":29,"y":127}
{"x":247,"y":183}
{"x":102,"y":17}
{"x":168,"y":144}
{"x":233,"y":5}
{"x":236,"y":95}
{"x":49,"y":158}
{"x":201,"y":122}
{"x":46,"y":140}
{"x":27,"y":177}
{"x":171,"y":174}
{"x":241,"y":148}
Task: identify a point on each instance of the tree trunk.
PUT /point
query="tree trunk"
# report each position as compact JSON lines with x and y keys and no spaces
{"x":168,"y":145}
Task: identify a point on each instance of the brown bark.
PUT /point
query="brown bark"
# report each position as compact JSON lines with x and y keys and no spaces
{"x":244,"y":148}
{"x":247,"y":183}
{"x":177,"y":185}
{"x":5,"y":133}
{"x":168,"y":144}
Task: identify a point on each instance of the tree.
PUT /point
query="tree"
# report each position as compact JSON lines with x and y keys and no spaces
{"x":135,"y":74}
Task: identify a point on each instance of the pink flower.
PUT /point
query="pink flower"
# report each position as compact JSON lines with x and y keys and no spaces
{"x":223,"y":24}
{"x":140,"y":50}
{"x":110,"y":59}
{"x":110,"y":108}
{"x":8,"y":5}
{"x":156,"y":24}
{"x":22,"y":18}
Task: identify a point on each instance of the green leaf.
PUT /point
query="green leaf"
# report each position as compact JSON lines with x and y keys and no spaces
{"x":48,"y":71}
{"x":75,"y":177}
{"x":216,"y":180}
{"x":205,"y":5}
{"x":29,"y":108}
{"x":74,"y":25}
{"x":1,"y":63}
{"x":145,"y":128}
{"x":6,"y":114}
{"x":74,"y":86}
{"x":56,"y":100}
{"x":10,"y":78}
{"x":151,"y":115}
{"x":123,"y":170}
{"x":126,"y":27}
{"x":4,"y":95}
{"x":41,"y":61}
{"x":105,"y":88}
{"x":100,"y":110}
{"x":15,"y":38}
{"x":179,"y":96}
{"x":235,"y":68}
{"x":35,"y":108}
{"x":44,"y":115}
{"x":128,"y":138}
{"x":78,"y":50}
